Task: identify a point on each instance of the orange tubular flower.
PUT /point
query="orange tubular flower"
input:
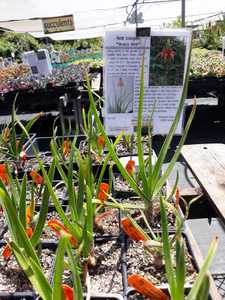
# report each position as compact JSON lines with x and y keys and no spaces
{"x":130,"y":167}
{"x":67,"y":292}
{"x":66,"y":147}
{"x":131,"y":231}
{"x":28,"y":215}
{"x":101,"y":141}
{"x":104,"y":189}
{"x":167,"y":53}
{"x":103,"y":216}
{"x":29,"y":232}
{"x":177,"y":196}
{"x":37,"y":178}
{"x":6,"y":252}
{"x":61,"y":230}
{"x":3,"y":174}
{"x":146,"y":288}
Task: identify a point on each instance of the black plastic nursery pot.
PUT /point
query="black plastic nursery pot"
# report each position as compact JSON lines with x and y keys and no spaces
{"x":42,"y":145}
{"x":3,"y":227}
{"x":18,"y":296}
{"x":121,"y":188}
{"x":16,"y":166}
{"x":104,"y":285}
{"x":21,"y":288}
{"x":145,"y":268}
{"x":107,"y":297}
{"x":45,"y":239}
{"x":134,"y":295}
{"x":123,"y":150}
{"x":36,"y":100}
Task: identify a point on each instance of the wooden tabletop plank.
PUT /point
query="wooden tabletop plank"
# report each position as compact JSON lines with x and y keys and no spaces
{"x":207,"y":162}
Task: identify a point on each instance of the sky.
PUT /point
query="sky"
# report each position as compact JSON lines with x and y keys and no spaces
{"x":97,"y":15}
{"x":22,"y":9}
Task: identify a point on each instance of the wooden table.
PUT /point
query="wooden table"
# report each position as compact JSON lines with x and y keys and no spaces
{"x":207,"y":163}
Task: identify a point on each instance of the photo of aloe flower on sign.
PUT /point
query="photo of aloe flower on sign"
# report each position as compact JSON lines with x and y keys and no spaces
{"x":167,"y":61}
{"x":120,"y":95}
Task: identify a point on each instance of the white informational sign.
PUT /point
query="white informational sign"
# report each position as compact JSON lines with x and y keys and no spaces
{"x":44,"y":62}
{"x":39,"y":62}
{"x":165,"y":61}
{"x":223,"y":47}
{"x":55,"y":57}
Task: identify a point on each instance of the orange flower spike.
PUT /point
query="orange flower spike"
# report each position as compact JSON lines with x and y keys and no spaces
{"x":146,"y":288}
{"x":60,"y":230}
{"x":177,"y":196}
{"x":130,"y":167}
{"x":6,"y":252}
{"x":104,"y":189}
{"x":37,"y":178}
{"x":67,"y":292}
{"x":28,"y":215}
{"x":66,"y":147}
{"x":167,"y":53}
{"x":57,"y":226}
{"x":29,"y":232}
{"x":3,"y":174}
{"x":101,"y":141}
{"x":131,"y":231}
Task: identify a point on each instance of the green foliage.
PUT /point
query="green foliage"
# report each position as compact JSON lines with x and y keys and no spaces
{"x":94,"y":44}
{"x":12,"y":42}
{"x":175,"y":24}
{"x":210,"y":37}
{"x":176,"y":276}
{"x":12,"y":145}
{"x":6,"y":48}
{"x":207,"y":63}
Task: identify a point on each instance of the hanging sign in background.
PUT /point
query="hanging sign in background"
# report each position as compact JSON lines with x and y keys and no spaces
{"x":58,"y":24}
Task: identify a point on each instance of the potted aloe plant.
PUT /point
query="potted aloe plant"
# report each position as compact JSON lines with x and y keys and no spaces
{"x":150,"y":177}
{"x":13,"y":146}
{"x":86,"y":263}
{"x":78,"y":224}
{"x":175,"y":265}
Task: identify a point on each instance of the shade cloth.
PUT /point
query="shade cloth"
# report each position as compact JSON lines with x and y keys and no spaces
{"x":92,"y":18}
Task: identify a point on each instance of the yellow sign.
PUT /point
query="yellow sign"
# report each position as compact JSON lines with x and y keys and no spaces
{"x":58,"y":24}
